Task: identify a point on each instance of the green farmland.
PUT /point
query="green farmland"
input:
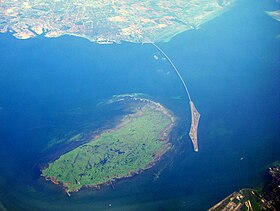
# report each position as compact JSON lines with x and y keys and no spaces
{"x":129,"y":148}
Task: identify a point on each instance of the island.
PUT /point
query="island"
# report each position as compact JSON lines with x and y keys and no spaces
{"x":132,"y":146}
{"x":107,"y":21}
{"x":194,"y":126}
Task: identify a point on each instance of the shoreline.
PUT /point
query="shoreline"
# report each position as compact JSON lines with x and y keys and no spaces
{"x":163,"y":136}
{"x":157,"y":157}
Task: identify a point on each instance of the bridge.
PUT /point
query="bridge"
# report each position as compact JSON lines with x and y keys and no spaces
{"x":195,"y":114}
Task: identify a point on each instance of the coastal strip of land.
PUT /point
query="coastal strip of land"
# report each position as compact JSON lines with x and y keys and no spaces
{"x":107,"y":22}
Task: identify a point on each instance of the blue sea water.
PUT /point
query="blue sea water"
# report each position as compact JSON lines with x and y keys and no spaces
{"x":49,"y":88}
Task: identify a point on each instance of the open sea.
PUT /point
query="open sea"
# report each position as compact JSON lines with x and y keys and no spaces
{"x":49,"y":88}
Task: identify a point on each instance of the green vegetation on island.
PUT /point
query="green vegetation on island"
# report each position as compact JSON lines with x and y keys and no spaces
{"x":134,"y":145}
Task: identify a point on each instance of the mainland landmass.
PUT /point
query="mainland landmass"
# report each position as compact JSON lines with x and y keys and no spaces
{"x":132,"y":146}
{"x":249,"y":199}
{"x":107,"y":21}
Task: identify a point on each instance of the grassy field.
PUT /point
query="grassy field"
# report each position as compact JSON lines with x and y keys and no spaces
{"x":129,"y":148}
